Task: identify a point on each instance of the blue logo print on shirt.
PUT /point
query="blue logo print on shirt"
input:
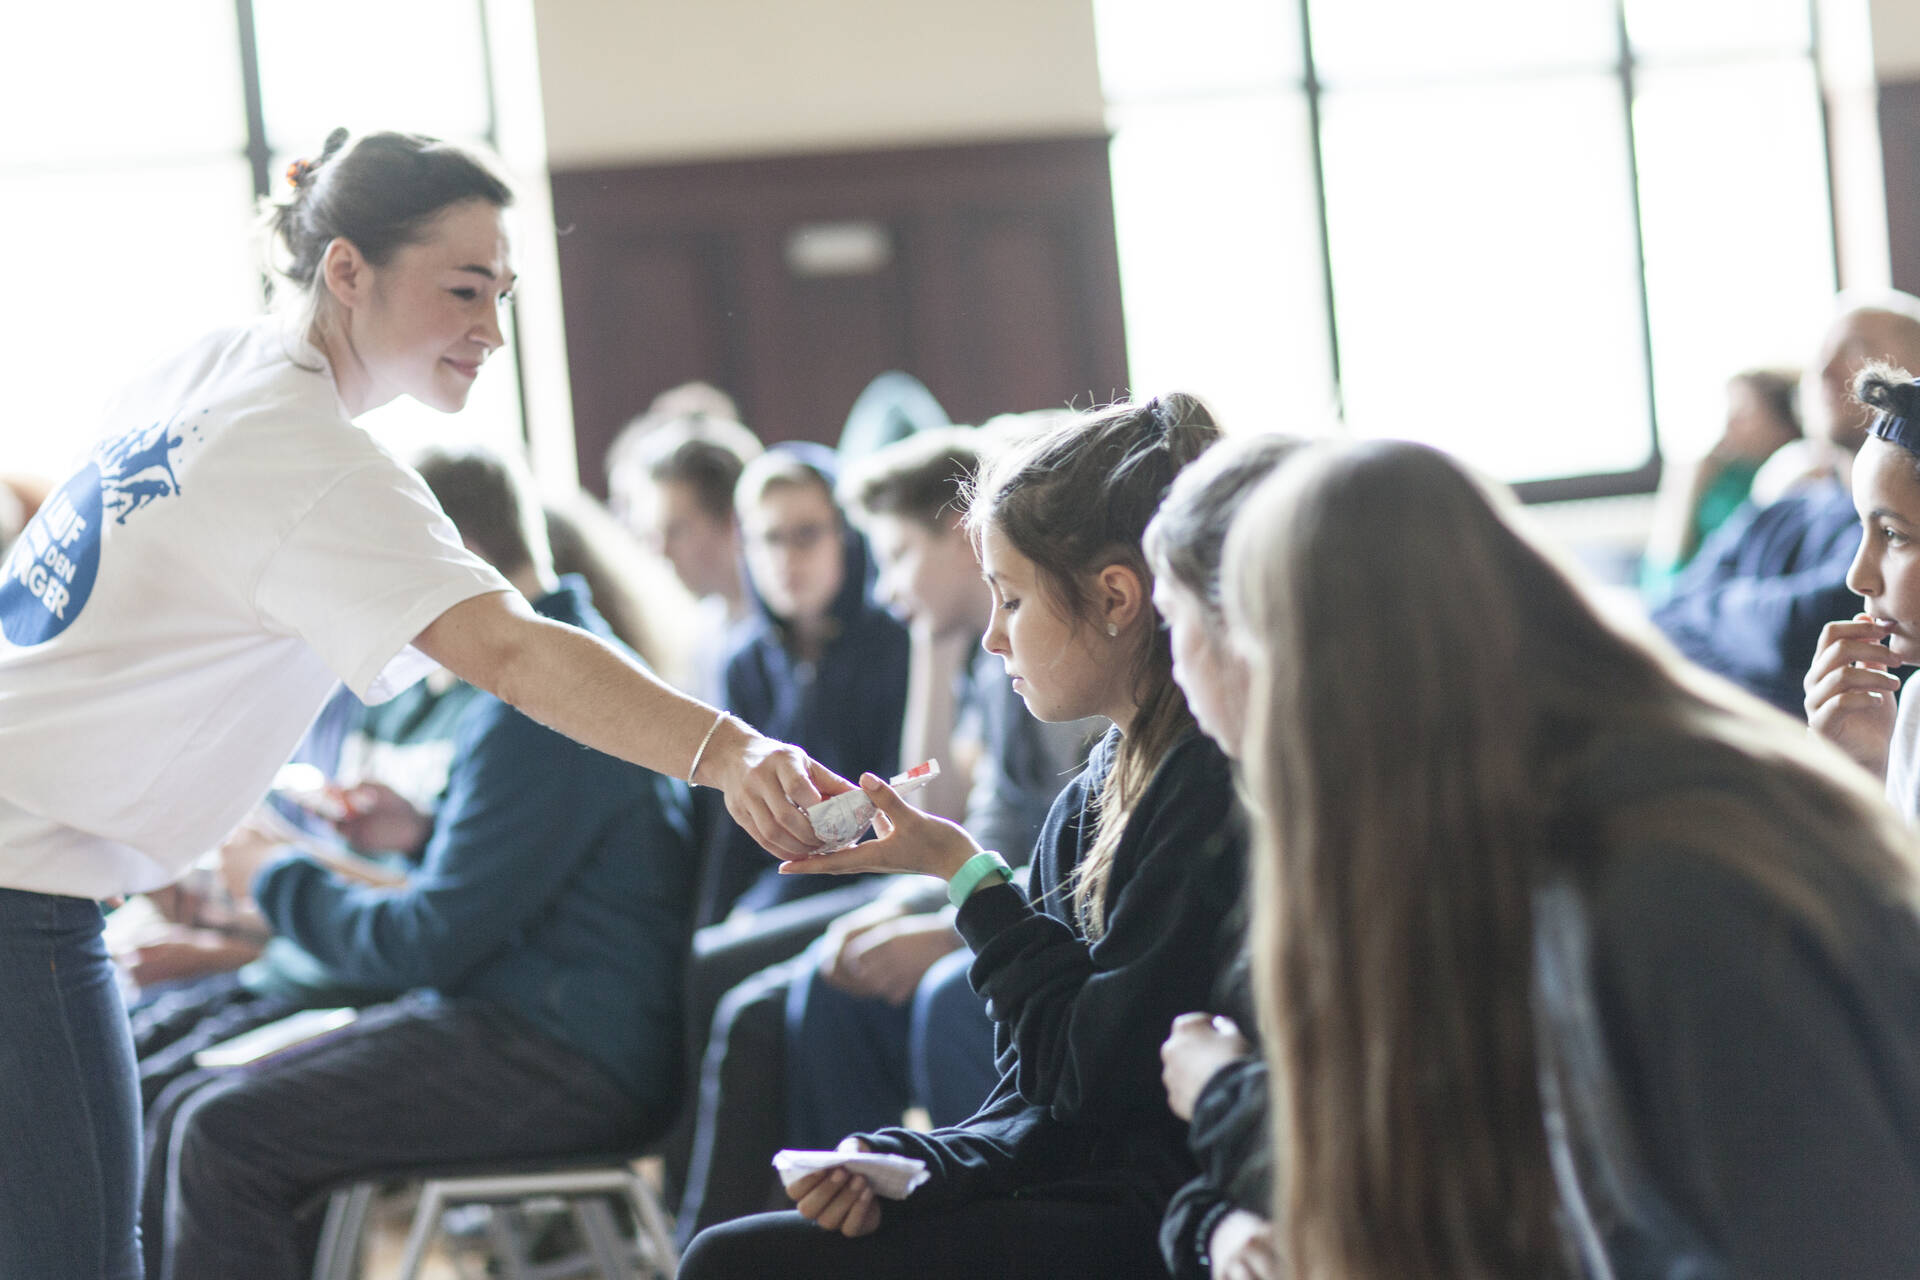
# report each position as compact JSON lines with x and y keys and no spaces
{"x":49,"y":573}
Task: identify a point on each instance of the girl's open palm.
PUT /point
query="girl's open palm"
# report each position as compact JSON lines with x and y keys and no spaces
{"x":909,"y":840}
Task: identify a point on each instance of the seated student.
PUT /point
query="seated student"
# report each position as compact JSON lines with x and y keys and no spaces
{"x":1750,"y":604}
{"x":1216,"y":1081}
{"x":820,"y":659}
{"x":396,"y":759}
{"x":1068,"y":1164}
{"x":671,"y":482}
{"x":872,"y":1017}
{"x":1853,"y":697}
{"x":632,"y":587}
{"x":1694,"y":500}
{"x":824,"y":661}
{"x":1576,"y":963}
{"x":542,"y":937}
{"x":880,"y":981}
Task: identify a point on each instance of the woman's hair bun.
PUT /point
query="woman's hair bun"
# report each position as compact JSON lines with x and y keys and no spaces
{"x":1887,"y":389}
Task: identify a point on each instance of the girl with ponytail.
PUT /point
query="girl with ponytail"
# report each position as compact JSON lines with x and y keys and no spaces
{"x":1069,"y":1163}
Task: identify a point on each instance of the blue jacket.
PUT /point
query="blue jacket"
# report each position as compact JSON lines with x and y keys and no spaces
{"x":1751,"y":604}
{"x":557,"y":883}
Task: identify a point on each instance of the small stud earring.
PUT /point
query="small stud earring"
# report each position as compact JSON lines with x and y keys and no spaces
{"x":1113,"y":628}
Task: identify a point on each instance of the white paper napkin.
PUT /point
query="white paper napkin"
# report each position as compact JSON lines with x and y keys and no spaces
{"x":893,"y":1177}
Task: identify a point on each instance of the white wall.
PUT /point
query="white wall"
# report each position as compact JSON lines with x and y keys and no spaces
{"x":1896,"y":39}
{"x":627,"y":81}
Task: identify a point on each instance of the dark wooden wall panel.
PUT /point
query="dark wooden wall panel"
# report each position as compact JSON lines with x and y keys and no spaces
{"x":1900,"y":151}
{"x":1024,"y":278}
{"x":1001,"y":291}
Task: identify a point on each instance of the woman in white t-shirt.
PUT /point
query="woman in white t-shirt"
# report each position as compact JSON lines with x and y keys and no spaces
{"x":179,"y":609}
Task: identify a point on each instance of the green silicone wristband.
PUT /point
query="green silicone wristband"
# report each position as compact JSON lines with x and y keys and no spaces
{"x":972,"y":872}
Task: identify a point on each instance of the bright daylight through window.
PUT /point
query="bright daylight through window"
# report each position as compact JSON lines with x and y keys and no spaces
{"x":1527,"y":233}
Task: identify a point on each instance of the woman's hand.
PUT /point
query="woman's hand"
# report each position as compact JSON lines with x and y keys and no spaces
{"x":1852,"y":691}
{"x":1242,"y":1248}
{"x":909,"y":841}
{"x":768,"y":786}
{"x":838,"y":1200}
{"x":1199,"y":1045}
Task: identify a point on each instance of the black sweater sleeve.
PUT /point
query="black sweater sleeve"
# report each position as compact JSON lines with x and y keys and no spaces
{"x":1085,"y":1021}
{"x":1228,"y":1137}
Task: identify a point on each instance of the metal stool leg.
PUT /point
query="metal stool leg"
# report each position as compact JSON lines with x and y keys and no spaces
{"x":426,"y":1220}
{"x":507,"y":1240}
{"x":603,"y":1241}
{"x":656,"y":1231}
{"x":340,"y":1234}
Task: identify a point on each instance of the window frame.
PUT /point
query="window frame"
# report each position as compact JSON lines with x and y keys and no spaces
{"x":1625,"y":69}
{"x":259,"y":154}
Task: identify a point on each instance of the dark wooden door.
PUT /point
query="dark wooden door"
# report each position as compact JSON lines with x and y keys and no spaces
{"x":988,"y":271}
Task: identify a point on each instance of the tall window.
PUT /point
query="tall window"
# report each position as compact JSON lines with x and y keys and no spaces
{"x":140,"y":137}
{"x":1541,"y":236}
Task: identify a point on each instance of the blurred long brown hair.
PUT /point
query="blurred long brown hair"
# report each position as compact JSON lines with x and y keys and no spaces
{"x":633,"y":588}
{"x":1427,"y":685}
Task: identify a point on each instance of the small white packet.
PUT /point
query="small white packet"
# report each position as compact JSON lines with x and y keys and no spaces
{"x":840,"y":820}
{"x":893,"y":1177}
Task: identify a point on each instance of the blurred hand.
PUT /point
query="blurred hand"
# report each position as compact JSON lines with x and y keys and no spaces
{"x":179,"y":903}
{"x":886,"y":960}
{"x":1852,"y":691}
{"x":838,"y":1200}
{"x":241,"y":857}
{"x":1242,"y":1248}
{"x":185,"y":953}
{"x":377,"y":819}
{"x":1199,"y":1045}
{"x":844,"y":929}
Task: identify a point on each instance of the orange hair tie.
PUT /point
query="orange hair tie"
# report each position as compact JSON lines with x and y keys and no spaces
{"x":298,"y":173}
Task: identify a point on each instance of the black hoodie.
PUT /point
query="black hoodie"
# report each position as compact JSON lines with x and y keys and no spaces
{"x":845,"y":710}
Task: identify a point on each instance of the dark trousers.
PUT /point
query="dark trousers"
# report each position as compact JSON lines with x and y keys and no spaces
{"x":794,"y":1062}
{"x":738,"y":1112}
{"x":725,"y":955}
{"x":1025,"y":1239}
{"x":168,"y":1032}
{"x":855,"y":1063}
{"x":420,"y":1081}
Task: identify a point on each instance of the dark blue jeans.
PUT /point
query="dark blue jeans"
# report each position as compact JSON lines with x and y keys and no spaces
{"x":854,"y":1063}
{"x":950,"y":1042}
{"x":69,"y":1109}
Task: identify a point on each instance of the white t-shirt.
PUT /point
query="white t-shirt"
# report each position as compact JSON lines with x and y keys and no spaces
{"x":179,"y":610}
{"x":1903,"y":758}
